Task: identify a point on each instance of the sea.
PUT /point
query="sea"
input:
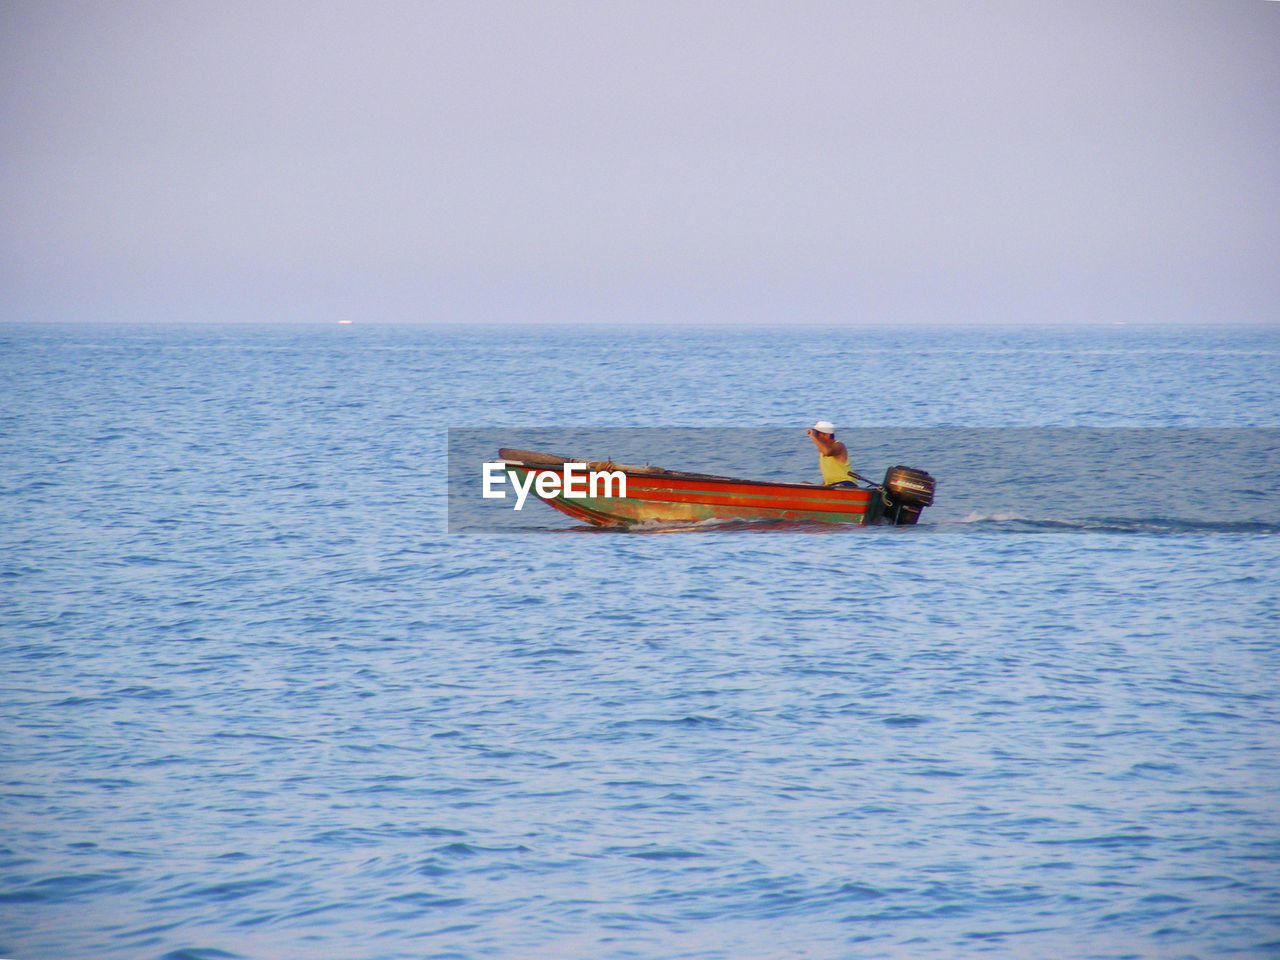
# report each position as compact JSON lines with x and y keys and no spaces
{"x":261,"y":699}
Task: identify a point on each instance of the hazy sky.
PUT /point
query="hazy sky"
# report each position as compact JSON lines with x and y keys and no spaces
{"x":768,"y":162}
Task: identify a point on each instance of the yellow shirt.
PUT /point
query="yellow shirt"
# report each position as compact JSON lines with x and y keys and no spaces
{"x":833,"y":470}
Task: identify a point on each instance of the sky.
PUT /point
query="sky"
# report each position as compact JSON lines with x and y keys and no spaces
{"x":641,"y":162}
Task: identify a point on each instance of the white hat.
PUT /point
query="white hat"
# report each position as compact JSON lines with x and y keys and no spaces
{"x":825,"y":426}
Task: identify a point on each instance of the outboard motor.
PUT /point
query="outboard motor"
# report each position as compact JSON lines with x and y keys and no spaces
{"x":908,"y":491}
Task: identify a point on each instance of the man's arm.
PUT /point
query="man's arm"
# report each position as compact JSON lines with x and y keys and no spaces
{"x":829,"y":448}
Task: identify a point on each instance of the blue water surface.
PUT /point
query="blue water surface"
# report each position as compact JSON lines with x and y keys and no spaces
{"x":259,"y":703}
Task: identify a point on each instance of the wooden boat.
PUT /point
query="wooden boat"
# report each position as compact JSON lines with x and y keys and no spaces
{"x":658,"y":497}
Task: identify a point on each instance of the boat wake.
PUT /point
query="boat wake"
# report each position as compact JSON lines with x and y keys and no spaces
{"x":974,"y":523}
{"x":1017,"y":523}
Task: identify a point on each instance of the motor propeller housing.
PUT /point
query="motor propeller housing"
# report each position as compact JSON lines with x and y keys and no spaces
{"x":909,"y":491}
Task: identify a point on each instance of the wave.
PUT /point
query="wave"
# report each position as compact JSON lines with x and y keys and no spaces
{"x":1017,"y":523}
{"x":976,"y":522}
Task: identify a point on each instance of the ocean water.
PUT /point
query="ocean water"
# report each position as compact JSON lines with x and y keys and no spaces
{"x":259,"y":702}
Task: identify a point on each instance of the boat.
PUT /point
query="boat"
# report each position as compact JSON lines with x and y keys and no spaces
{"x":654,"y":496}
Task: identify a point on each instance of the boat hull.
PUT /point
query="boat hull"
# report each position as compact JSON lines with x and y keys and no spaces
{"x":655,"y":497}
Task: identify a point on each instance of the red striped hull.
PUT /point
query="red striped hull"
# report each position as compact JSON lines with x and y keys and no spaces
{"x":671,"y":498}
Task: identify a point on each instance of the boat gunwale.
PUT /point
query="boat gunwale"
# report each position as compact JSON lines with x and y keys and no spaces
{"x":658,"y":473}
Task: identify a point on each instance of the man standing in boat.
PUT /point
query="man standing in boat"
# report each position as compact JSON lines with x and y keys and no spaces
{"x":833,"y":456}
